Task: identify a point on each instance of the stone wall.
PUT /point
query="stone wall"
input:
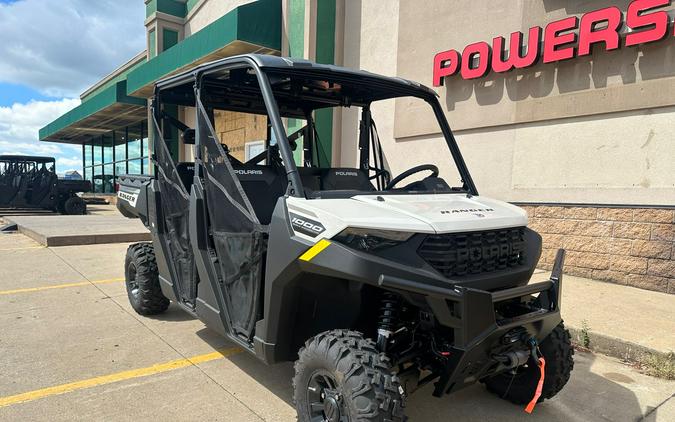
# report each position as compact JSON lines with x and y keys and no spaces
{"x":629,"y":246}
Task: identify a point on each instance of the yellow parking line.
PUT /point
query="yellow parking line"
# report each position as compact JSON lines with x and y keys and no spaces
{"x":59,"y":286}
{"x":116,"y":377}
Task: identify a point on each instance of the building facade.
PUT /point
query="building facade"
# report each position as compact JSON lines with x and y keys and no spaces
{"x":565,"y":108}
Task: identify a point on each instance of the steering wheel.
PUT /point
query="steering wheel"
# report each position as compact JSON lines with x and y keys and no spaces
{"x":424,"y":167}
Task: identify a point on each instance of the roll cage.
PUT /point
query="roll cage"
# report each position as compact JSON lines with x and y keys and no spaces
{"x":278,"y":88}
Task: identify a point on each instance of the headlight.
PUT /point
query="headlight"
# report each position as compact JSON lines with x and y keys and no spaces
{"x":369,"y":239}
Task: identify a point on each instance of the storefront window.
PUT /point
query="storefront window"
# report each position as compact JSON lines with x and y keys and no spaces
{"x":120,"y":145}
{"x":108,"y":156}
{"x":107,"y":148}
{"x":134,"y":148}
{"x":120,"y":168}
{"x":87,"y":155}
{"x":134,"y":166}
{"x":108,"y":179}
{"x":98,"y":179}
{"x":145,"y":147}
{"x":97,"y":151}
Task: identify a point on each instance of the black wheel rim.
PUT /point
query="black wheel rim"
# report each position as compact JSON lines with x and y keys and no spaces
{"x":326,"y":403}
{"x":132,"y":284}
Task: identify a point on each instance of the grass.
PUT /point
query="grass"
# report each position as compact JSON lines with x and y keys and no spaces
{"x":652,"y":364}
{"x":585,"y":337}
{"x":660,"y":366}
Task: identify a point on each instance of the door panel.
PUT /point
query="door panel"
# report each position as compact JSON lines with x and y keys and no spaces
{"x":238,"y":237}
{"x":175,"y":209}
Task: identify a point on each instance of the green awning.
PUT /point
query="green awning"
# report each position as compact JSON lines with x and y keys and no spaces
{"x":108,"y":110}
{"x":254,"y":27}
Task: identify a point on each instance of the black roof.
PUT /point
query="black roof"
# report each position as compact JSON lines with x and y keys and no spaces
{"x":296,"y":66}
{"x":298,"y":85}
{"x":21,"y":158}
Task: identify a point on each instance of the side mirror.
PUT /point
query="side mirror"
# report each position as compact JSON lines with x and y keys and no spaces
{"x":188,"y":136}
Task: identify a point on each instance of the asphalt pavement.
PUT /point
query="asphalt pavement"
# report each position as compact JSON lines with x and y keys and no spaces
{"x":71,"y":348}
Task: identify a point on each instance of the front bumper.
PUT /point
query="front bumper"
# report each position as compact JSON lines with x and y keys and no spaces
{"x":469,"y":312}
{"x":479,"y":330}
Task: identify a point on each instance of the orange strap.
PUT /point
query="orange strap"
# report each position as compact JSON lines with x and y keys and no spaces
{"x":540,"y":386}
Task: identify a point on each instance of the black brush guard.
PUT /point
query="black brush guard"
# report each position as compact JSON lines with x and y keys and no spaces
{"x":478,"y":330}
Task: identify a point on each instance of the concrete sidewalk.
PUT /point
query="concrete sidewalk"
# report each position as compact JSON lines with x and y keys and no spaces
{"x":65,"y":230}
{"x":620,"y":321}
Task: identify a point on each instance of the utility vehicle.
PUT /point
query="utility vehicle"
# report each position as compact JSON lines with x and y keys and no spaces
{"x":29,"y":182}
{"x":374,"y":286}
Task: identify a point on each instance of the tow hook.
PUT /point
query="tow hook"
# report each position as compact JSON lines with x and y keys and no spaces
{"x":534,"y":348}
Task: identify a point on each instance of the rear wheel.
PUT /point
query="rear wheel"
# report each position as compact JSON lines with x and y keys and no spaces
{"x":519,"y":387}
{"x":142,"y":280}
{"x":340,"y":376}
{"x":75,"y":206}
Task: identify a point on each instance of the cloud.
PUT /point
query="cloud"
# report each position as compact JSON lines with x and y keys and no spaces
{"x":60,"y":48}
{"x":19,"y":126}
{"x":64,"y":164}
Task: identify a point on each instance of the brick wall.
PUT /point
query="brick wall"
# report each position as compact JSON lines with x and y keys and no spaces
{"x":630,"y":246}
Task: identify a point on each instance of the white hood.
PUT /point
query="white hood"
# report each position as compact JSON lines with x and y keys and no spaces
{"x":425,"y":213}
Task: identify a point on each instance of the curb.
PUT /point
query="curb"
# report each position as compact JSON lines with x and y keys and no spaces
{"x":612,"y":346}
{"x":80,"y":239}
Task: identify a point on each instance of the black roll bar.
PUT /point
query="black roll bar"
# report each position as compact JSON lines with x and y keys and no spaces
{"x":295,"y":188}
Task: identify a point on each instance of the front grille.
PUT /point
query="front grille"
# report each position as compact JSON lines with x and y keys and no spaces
{"x":461,"y":254}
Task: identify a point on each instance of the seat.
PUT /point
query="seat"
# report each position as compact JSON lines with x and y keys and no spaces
{"x":310,"y":178}
{"x":263,"y":186}
{"x":345,"y":178}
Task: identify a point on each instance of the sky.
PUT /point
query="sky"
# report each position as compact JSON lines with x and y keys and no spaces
{"x":52,"y":51}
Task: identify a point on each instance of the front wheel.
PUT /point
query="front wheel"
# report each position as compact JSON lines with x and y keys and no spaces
{"x":340,"y":376}
{"x":519,"y":386}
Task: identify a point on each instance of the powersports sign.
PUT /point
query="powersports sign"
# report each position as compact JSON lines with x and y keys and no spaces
{"x":560,"y":40}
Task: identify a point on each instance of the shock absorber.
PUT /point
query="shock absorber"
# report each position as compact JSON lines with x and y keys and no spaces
{"x":388,"y":320}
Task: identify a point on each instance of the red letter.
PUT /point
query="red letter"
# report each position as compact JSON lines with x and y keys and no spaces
{"x":441,"y":66}
{"x":588,"y":35}
{"x":553,"y":39}
{"x":482,"y":49}
{"x":516,"y":59}
{"x":654,"y":25}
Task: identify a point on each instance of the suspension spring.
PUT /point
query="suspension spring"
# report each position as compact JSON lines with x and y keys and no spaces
{"x":388,"y":320}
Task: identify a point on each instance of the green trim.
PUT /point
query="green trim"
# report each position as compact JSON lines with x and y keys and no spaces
{"x":118,"y":78}
{"x":170,"y":7}
{"x":325,"y":31}
{"x":256,"y":23}
{"x":152,"y":41}
{"x":169,"y":38}
{"x":296,"y":48}
{"x":106,"y":98}
{"x":191,"y":4}
{"x":325,"y":53}
{"x":296,"y":28}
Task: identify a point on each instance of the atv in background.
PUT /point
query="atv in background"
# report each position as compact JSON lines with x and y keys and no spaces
{"x":28,"y":182}
{"x":373,"y":285}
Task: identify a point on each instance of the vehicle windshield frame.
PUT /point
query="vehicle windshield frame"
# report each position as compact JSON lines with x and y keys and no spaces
{"x":396,"y":88}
